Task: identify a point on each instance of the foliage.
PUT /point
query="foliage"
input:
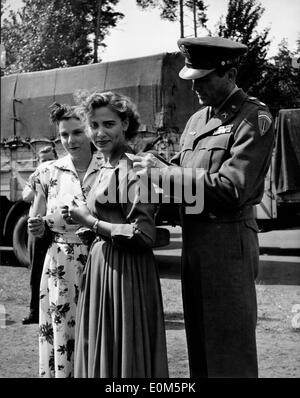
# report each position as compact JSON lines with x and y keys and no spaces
{"x":3,"y":8}
{"x":170,"y":9}
{"x":280,"y":87}
{"x":240,"y":24}
{"x":46,"y":34}
{"x":273,"y":81}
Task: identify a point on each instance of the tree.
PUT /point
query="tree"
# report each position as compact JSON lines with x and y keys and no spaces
{"x":173,"y":10}
{"x":280,"y":87}
{"x":3,"y":8}
{"x":47,"y":34}
{"x":240,"y":24}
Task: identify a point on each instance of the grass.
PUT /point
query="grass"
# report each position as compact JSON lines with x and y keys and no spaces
{"x":278,"y":341}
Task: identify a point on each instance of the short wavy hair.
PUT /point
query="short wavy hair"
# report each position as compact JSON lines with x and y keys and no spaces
{"x":120,"y":104}
{"x":59,"y":112}
{"x":48,"y":149}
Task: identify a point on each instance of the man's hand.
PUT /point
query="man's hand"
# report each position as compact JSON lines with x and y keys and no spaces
{"x":144,"y":162}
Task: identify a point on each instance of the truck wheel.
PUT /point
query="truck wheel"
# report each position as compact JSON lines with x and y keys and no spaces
{"x":20,"y":237}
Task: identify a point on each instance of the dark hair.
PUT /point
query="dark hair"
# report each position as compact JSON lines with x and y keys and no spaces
{"x":47,"y":149}
{"x":60,"y":112}
{"x":122,"y":105}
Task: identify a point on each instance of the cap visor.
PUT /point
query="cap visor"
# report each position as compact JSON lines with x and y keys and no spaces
{"x":190,"y":73}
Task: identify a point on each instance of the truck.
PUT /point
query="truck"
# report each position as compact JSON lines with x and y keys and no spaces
{"x":165,"y":103}
{"x":163,"y":99}
{"x":280,"y":205}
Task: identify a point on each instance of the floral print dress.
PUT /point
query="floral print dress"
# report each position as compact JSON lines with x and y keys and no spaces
{"x":63,"y":266}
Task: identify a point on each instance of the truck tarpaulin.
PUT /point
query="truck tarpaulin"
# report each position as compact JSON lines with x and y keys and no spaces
{"x":163,"y":99}
{"x":287,"y":152}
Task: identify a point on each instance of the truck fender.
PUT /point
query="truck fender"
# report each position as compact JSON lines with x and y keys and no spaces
{"x":18,"y":209}
{"x":15,"y":231}
{"x":20,"y":241}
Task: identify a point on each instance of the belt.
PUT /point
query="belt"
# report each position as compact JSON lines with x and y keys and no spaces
{"x":67,"y":238}
{"x":245,"y":213}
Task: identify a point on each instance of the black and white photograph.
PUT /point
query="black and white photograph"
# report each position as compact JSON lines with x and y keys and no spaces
{"x":150,"y":192}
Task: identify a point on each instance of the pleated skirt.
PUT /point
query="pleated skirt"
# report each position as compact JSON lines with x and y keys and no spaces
{"x":120,"y":328}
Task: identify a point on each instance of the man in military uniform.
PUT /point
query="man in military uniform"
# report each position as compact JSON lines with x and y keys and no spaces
{"x":231,"y":138}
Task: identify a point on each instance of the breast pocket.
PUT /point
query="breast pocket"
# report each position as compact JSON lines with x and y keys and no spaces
{"x":216,"y":150}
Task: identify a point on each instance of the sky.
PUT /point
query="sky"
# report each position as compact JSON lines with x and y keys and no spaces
{"x":142,"y":33}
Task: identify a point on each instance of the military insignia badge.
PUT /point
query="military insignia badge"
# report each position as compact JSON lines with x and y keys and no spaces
{"x":264,"y":122}
{"x":223,"y":129}
{"x":183,"y":49}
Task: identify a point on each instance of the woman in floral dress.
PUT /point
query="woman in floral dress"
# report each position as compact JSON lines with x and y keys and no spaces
{"x":120,"y":324}
{"x":58,"y":184}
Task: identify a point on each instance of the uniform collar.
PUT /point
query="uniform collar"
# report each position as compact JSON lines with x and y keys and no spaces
{"x":226,"y":112}
{"x":218,"y":108}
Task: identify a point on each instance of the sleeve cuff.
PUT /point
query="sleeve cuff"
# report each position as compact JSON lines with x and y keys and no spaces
{"x":124,"y":230}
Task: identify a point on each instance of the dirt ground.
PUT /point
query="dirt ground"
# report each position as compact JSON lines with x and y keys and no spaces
{"x":278,"y":330}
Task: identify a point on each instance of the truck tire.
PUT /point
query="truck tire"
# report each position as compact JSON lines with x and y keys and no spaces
{"x":20,"y":237}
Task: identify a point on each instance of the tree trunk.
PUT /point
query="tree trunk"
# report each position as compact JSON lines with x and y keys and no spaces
{"x":195,"y":18}
{"x":181,"y":18}
{"x":97,"y":33}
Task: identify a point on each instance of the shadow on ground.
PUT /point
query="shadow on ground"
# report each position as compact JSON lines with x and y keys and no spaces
{"x":272,"y":270}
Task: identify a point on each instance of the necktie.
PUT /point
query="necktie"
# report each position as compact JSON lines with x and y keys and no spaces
{"x":210,"y":113}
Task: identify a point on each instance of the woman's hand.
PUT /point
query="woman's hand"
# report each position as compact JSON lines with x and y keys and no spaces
{"x":36,"y":226}
{"x":86,"y":235}
{"x":66,"y":214}
{"x":81,"y":215}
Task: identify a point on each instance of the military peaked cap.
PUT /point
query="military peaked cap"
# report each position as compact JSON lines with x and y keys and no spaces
{"x":205,"y":54}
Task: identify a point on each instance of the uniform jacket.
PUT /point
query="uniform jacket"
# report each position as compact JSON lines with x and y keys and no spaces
{"x":220,"y":245}
{"x":234,"y":148}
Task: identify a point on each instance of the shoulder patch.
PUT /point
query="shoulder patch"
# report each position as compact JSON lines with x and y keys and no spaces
{"x":264,"y":122}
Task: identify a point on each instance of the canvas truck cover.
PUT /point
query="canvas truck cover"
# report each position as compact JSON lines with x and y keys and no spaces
{"x":287,"y":152}
{"x":163,"y":99}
